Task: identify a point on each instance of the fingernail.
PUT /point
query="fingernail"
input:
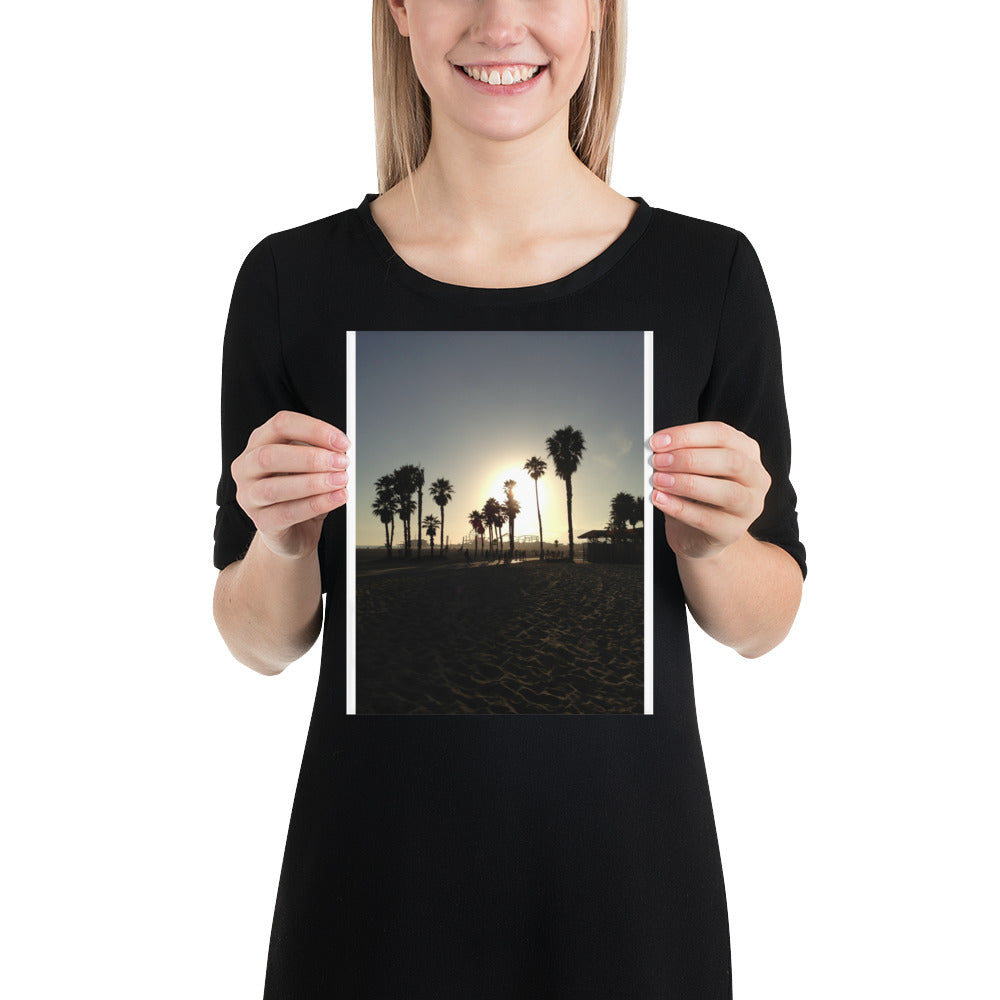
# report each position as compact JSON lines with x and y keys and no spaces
{"x":660,"y":440}
{"x":337,"y":461}
{"x":339,"y":441}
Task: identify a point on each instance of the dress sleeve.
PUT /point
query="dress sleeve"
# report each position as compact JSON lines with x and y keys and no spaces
{"x":255,"y":386}
{"x":745,"y":389}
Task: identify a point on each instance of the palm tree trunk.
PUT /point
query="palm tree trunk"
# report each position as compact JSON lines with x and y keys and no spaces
{"x":569,"y":513}
{"x":541,"y":548}
{"x":388,"y":546}
{"x":442,"y":531}
{"x":420,"y":520}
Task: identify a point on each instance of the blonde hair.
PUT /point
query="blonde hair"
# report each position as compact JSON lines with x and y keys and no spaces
{"x":403,"y":109}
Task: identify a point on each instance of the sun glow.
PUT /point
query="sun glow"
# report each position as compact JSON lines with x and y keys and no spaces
{"x":524,"y":494}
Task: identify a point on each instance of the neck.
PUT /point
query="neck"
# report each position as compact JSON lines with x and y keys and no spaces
{"x":480,"y":185}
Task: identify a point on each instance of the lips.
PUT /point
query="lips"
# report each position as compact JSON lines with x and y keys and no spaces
{"x":501,"y":89}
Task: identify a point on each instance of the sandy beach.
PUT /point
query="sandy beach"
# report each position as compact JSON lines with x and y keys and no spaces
{"x":526,"y":638}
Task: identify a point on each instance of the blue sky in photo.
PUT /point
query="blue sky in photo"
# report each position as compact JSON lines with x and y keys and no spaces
{"x":472,"y":407}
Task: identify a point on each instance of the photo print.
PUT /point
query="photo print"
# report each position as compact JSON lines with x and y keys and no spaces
{"x":499,"y":551}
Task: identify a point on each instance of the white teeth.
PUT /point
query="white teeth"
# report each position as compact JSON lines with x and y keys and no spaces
{"x":493,"y":77}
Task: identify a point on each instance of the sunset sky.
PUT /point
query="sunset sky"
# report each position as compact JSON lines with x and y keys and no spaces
{"x":473,"y":407}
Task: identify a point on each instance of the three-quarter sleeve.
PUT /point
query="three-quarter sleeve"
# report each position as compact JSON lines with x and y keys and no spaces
{"x":745,"y":389}
{"x":255,"y":386}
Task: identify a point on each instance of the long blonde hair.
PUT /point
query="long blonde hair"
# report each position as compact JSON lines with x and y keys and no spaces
{"x":403,"y":109}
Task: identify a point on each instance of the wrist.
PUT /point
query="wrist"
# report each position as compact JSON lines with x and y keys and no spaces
{"x":717,"y":555}
{"x":278,"y":558}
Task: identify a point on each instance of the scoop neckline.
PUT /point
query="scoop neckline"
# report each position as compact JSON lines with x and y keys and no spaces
{"x":572,"y":282}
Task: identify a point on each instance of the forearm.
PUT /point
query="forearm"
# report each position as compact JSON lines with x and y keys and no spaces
{"x":746,"y":597}
{"x":268,"y":608}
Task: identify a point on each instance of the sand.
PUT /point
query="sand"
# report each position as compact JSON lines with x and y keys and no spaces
{"x":530,"y":637}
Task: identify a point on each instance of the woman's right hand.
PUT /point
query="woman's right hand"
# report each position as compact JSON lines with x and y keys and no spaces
{"x":291,"y":474}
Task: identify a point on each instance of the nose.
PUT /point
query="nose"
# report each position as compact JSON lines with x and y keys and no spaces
{"x":497,"y":24}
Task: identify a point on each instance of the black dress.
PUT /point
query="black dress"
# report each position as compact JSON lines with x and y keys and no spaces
{"x":504,"y":856}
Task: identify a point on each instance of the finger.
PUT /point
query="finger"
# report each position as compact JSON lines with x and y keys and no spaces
{"x":283,"y":459}
{"x":710,"y":521}
{"x":287,"y":425}
{"x":281,"y":516}
{"x":279,"y":489}
{"x":724,"y":494}
{"x":703,"y":434}
{"x":725,"y":463}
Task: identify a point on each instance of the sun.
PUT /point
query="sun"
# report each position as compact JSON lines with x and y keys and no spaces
{"x":524,"y":494}
{"x":523,"y":490}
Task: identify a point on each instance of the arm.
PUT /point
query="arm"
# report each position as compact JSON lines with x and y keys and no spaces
{"x":710,"y":485}
{"x":268,"y":608}
{"x":283,"y":472}
{"x":268,"y":605}
{"x":746,"y":597}
{"x":739,"y":558}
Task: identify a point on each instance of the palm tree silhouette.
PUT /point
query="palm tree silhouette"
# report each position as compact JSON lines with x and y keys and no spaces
{"x":431,"y":525}
{"x":565,"y":448}
{"x":441,"y":491}
{"x":621,"y":512}
{"x":405,"y":482}
{"x":384,"y":507}
{"x":491,"y":514}
{"x":476,"y":521}
{"x":512,"y":508}
{"x":635,"y":515}
{"x":503,"y":520}
{"x":536,"y":469}
{"x":418,"y":478}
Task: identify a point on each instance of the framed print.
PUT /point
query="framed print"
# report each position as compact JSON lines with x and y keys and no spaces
{"x":499,"y":557}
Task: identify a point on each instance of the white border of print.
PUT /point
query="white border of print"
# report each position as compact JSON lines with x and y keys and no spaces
{"x":647,"y":582}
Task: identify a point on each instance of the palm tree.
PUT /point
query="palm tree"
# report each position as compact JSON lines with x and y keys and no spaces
{"x":636,"y":513}
{"x":488,"y":521}
{"x":384,"y":507}
{"x":491,"y":514}
{"x":431,"y":525}
{"x":418,"y":479}
{"x":513,"y":508}
{"x":404,"y":483}
{"x":621,"y":512}
{"x":476,"y":521}
{"x":441,"y":491}
{"x":565,"y":448}
{"x":503,"y":520}
{"x":406,"y":508}
{"x":536,"y":469}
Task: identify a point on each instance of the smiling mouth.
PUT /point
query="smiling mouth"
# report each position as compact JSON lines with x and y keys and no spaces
{"x":502,"y":76}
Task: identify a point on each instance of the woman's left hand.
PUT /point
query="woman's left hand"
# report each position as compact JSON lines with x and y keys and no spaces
{"x":710,"y":484}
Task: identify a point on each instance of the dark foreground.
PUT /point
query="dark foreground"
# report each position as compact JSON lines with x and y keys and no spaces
{"x":526,"y":638}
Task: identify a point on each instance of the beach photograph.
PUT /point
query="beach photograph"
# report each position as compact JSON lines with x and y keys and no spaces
{"x":500,"y":491}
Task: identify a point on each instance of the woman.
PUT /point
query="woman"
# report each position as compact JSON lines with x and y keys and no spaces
{"x":521,"y":855}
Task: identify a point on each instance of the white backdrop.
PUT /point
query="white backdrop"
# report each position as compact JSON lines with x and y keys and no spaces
{"x":148,"y":777}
